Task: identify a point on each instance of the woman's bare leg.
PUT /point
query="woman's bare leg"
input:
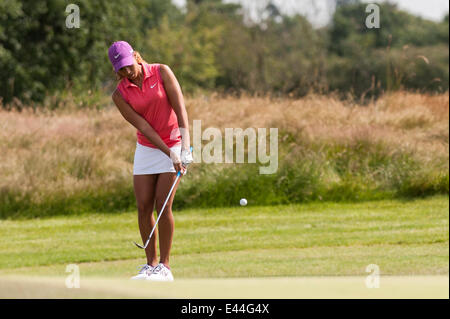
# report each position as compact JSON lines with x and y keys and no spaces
{"x":144,"y":190}
{"x":166,"y":222}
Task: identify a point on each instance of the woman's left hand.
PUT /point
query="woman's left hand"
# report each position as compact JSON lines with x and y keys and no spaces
{"x":186,"y":156}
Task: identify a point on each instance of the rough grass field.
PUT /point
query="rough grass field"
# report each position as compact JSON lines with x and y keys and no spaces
{"x":404,"y":238}
{"x":73,"y":160}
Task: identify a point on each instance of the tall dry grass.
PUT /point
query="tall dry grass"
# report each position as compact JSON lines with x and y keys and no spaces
{"x":53,"y":161}
{"x":416,"y":122}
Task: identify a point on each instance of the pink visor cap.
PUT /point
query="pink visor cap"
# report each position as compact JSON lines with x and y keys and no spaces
{"x":121,"y":54}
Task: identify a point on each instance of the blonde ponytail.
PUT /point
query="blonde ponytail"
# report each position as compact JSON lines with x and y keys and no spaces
{"x":138,"y":57}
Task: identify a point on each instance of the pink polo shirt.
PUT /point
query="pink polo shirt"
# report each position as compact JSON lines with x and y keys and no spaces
{"x":153,"y":105}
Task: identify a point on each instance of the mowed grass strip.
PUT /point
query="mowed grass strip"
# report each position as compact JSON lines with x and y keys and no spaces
{"x":294,"y":262}
{"x":402,"y":237}
{"x":341,"y":287}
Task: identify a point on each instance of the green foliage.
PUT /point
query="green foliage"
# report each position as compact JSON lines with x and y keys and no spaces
{"x":296,"y":56}
{"x":210,"y":46}
{"x":191,"y":54}
{"x":39,"y":54}
{"x":406,"y":52}
{"x":348,"y":30}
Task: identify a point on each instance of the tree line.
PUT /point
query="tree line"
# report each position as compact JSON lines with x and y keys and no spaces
{"x":211,"y":47}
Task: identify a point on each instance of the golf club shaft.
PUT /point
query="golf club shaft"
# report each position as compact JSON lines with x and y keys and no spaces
{"x":162,"y":209}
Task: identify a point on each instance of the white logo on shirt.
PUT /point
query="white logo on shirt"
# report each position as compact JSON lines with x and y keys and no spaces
{"x":153,"y":85}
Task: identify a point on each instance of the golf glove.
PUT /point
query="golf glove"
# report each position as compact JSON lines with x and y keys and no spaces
{"x":186,"y":157}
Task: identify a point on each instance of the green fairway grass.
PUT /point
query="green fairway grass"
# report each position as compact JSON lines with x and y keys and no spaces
{"x":321,"y":239}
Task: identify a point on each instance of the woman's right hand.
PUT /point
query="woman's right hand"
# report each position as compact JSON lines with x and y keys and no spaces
{"x":177,"y":162}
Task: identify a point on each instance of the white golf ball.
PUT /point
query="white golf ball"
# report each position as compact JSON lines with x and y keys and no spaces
{"x":243,"y":202}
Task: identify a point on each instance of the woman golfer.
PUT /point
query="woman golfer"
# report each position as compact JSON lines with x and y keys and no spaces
{"x":149,"y":97}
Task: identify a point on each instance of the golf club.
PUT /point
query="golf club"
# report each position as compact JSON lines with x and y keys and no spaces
{"x":161,"y":212}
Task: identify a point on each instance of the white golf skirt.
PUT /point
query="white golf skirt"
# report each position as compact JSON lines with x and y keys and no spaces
{"x":148,"y":160}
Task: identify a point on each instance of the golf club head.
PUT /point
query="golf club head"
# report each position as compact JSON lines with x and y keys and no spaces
{"x":139,"y":246}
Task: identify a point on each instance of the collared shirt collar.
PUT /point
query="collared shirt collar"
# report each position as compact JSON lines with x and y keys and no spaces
{"x":147,"y":73}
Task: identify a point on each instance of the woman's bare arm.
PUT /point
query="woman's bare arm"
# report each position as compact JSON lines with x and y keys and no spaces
{"x":175,"y":95}
{"x":139,"y":122}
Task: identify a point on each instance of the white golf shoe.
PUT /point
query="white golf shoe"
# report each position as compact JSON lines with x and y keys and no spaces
{"x":160,"y":273}
{"x":145,"y":271}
